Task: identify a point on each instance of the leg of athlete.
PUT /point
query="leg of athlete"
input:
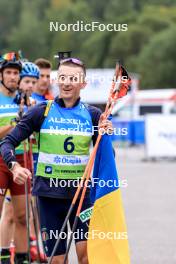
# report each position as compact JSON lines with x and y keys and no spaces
{"x":6,"y":224}
{"x":81,"y":250}
{"x":4,"y":183}
{"x":58,"y":259}
{"x":20,"y":223}
{"x":52,"y":213}
{"x":1,"y":203}
{"x":82,"y":229}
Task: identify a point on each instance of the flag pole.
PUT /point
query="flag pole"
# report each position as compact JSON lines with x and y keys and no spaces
{"x":25,"y":157}
{"x":27,"y":204}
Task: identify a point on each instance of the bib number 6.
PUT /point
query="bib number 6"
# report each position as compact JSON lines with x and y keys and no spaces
{"x":68,"y":145}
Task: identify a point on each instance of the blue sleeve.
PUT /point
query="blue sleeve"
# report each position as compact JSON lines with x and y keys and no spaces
{"x":30,"y":122}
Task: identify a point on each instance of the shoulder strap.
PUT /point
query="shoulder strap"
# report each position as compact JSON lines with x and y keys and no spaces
{"x":86,"y":105}
{"x":48,"y":108}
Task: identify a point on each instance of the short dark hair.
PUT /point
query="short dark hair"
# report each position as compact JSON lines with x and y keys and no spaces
{"x":43,"y":63}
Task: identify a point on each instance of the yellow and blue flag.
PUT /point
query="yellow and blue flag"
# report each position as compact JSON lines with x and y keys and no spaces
{"x":108,"y":240}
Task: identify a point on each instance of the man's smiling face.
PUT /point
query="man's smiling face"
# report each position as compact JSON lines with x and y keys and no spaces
{"x":71,"y":80}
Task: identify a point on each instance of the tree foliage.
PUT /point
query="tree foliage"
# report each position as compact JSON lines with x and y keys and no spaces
{"x":147,"y":47}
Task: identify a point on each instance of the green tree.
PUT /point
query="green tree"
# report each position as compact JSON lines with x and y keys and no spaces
{"x":8,"y":18}
{"x":117,"y":10}
{"x":29,"y":34}
{"x":127,"y":44}
{"x":25,"y":25}
{"x":69,"y":13}
{"x":157,"y":61}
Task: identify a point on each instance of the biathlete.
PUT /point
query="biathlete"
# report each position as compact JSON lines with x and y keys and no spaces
{"x":66,"y":132}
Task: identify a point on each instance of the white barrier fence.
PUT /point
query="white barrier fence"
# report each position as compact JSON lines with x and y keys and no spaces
{"x":160,"y":134}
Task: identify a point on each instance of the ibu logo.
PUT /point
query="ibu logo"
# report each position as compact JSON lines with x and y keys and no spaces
{"x":48,"y":169}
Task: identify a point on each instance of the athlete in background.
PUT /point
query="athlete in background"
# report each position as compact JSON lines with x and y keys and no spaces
{"x":42,"y":90}
{"x":10,"y":68}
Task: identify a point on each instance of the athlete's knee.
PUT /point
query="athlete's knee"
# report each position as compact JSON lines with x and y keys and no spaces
{"x":7,"y":215}
{"x":20,"y":218}
{"x":83,"y":259}
{"x":81,"y":249}
{"x":58,"y":260}
{"x":8,"y":219}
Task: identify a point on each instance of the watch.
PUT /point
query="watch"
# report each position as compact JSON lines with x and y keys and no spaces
{"x":11,"y":165}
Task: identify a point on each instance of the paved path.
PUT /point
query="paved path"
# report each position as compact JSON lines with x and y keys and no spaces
{"x":150,"y":205}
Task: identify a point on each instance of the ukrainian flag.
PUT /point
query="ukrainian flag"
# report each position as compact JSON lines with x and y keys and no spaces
{"x":108,"y":241}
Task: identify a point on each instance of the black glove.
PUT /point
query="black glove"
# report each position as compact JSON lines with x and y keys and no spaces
{"x":19,"y":96}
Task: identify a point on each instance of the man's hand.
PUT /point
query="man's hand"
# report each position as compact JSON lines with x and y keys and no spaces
{"x":20,"y":174}
{"x":105,"y":126}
